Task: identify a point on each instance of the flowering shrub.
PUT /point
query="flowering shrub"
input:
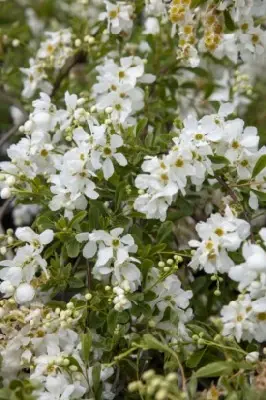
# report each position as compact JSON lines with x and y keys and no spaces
{"x":135,"y":263}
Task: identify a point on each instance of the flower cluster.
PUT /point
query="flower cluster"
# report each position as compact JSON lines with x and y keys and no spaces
{"x":52,"y":54}
{"x":132,"y":200}
{"x":190,"y":160}
{"x":18,"y":275}
{"x":117,"y":90}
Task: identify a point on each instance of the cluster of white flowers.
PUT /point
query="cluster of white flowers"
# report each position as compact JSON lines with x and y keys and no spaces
{"x":53,"y":53}
{"x":245,"y":319}
{"x":169,"y":293}
{"x":189,"y":161}
{"x":106,"y":173}
{"x":19,"y":273}
{"x":42,"y":340}
{"x":113,"y":260}
{"x":119,"y":17}
{"x":117,"y":91}
{"x":218,"y":235}
{"x":69,"y":169}
{"x":247,"y":40}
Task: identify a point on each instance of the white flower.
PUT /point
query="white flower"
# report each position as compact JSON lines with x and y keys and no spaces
{"x":152,"y":26}
{"x":111,"y":246}
{"x":218,"y":235}
{"x":237,"y":319}
{"x":102,"y":156}
{"x":26,"y":234}
{"x":119,"y":17}
{"x":251,"y":275}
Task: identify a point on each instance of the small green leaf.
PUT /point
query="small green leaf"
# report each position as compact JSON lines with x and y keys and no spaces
{"x":76,"y":283}
{"x":196,"y":3}
{"x":73,"y":248}
{"x":96,"y":376}
{"x":119,"y":194}
{"x":86,"y":342}
{"x":152,"y":343}
{"x":260,"y":165}
{"x":141,"y":125}
{"x":216,"y":368}
{"x":149,"y":139}
{"x":195,"y":358}
{"x":112,"y":321}
{"x":219,"y":160}
{"x":146,"y":265}
{"x":77,"y":219}
{"x":164,"y":231}
{"x":229,"y":23}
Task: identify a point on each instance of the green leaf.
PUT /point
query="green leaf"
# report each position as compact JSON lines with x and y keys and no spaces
{"x":184,"y":209}
{"x":195,"y":358}
{"x":94,"y":216}
{"x":86,"y":342}
{"x":219,"y":160}
{"x":112,"y":321}
{"x":196,"y":3}
{"x":164,"y":231}
{"x":119,"y":194}
{"x":76,"y":283}
{"x":149,"y":139}
{"x":152,"y":343}
{"x":73,"y":248}
{"x":141,"y":125}
{"x":44,"y":222}
{"x":229,"y":23}
{"x":156,"y":249}
{"x":146,"y":265}
{"x":77,"y":219}
{"x":96,"y":376}
{"x":216,"y":368}
{"x":259,"y":166}
{"x":192,"y":386}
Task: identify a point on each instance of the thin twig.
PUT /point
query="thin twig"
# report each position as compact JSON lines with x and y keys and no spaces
{"x":70,"y":63}
{"x":15,"y":102}
{"x":227,"y":188}
{"x":6,"y":136}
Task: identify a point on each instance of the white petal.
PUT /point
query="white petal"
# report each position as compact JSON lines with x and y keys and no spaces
{"x":25,"y":234}
{"x":46,"y":236}
{"x":121,"y":159}
{"x":81,"y":237}
{"x":108,"y":168}
{"x":122,"y":255}
{"x":226,"y":109}
{"x":104,"y":255}
{"x":116,"y":141}
{"x":131,"y":272}
{"x":253,"y":201}
{"x":89,"y":249}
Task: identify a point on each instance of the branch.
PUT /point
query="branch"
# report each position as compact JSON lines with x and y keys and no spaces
{"x":4,"y":138}
{"x":70,"y":63}
{"x":12,"y":100}
{"x":227,"y":188}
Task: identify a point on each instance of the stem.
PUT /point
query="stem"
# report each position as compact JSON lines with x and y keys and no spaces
{"x":63,"y":73}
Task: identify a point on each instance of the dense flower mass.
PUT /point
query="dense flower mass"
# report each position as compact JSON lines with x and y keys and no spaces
{"x":133,"y":189}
